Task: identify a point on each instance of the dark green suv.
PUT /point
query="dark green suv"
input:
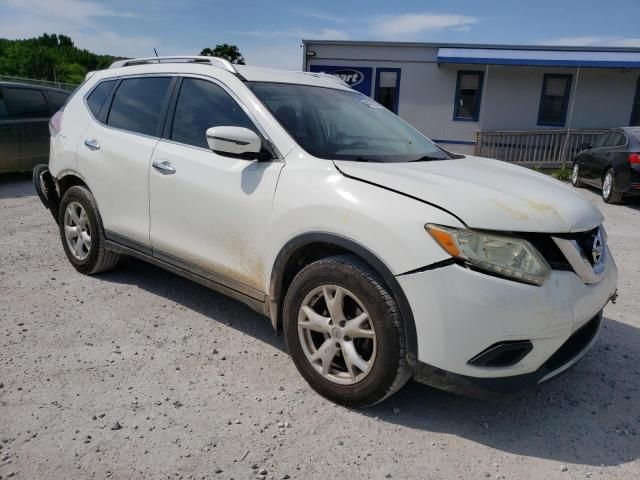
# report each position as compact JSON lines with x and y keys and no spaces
{"x":25,"y":111}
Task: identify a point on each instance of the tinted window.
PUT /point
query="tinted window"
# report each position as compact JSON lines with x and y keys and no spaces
{"x":3,"y":107}
{"x":601,"y":140}
{"x":138,"y":103}
{"x":25,"y":102}
{"x":56,"y":100}
{"x":202,"y":105}
{"x":615,"y":139}
{"x":96,"y":99}
{"x":468,"y":93}
{"x":554,"y":99}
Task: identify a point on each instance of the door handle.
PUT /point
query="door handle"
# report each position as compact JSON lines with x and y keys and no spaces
{"x":164,"y":167}
{"x":92,"y":144}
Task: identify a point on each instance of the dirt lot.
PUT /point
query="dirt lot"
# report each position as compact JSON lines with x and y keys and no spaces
{"x":139,"y":373}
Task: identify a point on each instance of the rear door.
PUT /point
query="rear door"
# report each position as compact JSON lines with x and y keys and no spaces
{"x":9,"y":156}
{"x":115,"y":151}
{"x":594,"y":158}
{"x":30,"y":111}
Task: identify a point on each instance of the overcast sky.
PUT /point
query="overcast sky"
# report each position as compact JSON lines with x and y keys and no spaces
{"x":269,"y":33}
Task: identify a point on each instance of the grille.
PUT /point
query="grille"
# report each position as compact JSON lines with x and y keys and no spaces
{"x":549,"y":250}
{"x":552,"y":254}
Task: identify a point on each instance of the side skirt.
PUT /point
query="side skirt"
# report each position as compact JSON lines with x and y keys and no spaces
{"x":258,"y":305}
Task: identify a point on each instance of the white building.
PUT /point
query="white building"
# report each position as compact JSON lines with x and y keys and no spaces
{"x":455,"y":92}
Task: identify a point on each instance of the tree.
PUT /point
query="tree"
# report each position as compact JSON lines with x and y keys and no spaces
{"x":49,"y":57}
{"x":230,"y":52}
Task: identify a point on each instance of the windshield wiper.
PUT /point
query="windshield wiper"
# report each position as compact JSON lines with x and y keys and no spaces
{"x":426,"y":158}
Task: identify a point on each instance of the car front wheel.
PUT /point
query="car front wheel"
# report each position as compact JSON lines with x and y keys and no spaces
{"x":344,"y":332}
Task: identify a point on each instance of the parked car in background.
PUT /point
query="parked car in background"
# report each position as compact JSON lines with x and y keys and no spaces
{"x":25,"y":111}
{"x":611,"y":163}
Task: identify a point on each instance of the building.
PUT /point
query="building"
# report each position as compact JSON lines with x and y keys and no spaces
{"x":467,"y":96}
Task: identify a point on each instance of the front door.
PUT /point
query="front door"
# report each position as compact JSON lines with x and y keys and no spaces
{"x":210,"y":213}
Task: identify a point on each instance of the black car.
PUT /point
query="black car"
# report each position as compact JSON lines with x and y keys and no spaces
{"x":612,"y":164}
{"x":25,"y":111}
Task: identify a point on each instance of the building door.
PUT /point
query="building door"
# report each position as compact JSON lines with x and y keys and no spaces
{"x":388,"y":88}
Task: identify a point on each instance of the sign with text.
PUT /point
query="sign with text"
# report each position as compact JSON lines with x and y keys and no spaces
{"x":358,"y":78}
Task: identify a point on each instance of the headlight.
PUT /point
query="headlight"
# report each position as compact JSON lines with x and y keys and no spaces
{"x":509,"y":257}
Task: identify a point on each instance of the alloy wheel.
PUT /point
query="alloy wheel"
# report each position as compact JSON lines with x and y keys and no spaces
{"x":77,"y":231}
{"x":337,"y":335}
{"x":607,"y":185}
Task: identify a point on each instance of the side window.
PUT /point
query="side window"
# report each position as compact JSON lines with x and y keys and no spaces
{"x":56,"y":100}
{"x":138,"y":103}
{"x":554,"y":99}
{"x":96,"y":98}
{"x":3,"y":108}
{"x":616,"y":139}
{"x":468,"y":93}
{"x":635,"y":109}
{"x":26,"y":102}
{"x":601,"y":140}
{"x":202,"y":105}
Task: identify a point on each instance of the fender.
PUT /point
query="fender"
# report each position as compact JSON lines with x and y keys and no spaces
{"x":345,"y":243}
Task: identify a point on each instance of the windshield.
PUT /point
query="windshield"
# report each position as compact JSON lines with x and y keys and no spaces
{"x":344,"y":125}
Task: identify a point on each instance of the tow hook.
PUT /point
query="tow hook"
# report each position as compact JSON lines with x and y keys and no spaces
{"x":614,"y":297}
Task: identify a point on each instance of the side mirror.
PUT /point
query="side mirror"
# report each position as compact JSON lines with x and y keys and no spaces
{"x":585,"y":146}
{"x":236,"y":142}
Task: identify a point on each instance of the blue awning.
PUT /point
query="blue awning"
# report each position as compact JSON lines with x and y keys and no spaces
{"x":542,"y":58}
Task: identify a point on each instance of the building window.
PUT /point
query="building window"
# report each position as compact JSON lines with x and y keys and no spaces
{"x":554,"y":99}
{"x":635,"y":111}
{"x":468,"y":93}
{"x":388,"y":88}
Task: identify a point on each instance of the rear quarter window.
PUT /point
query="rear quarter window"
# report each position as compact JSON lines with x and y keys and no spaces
{"x":96,"y":99}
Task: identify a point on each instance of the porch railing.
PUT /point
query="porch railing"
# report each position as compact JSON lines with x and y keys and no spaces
{"x":42,"y":83}
{"x":545,"y":148}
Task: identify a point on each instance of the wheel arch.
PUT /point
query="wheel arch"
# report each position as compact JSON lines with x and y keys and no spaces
{"x":309,"y":247}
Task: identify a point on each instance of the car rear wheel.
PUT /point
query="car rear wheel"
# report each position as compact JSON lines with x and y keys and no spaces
{"x":344,"y":332}
{"x":609,"y":192}
{"x":575,"y":176}
{"x":82,"y":233}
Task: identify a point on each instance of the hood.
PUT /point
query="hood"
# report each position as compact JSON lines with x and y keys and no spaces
{"x":485,"y":194}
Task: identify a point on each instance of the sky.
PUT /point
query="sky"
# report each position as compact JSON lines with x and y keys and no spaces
{"x":269,"y":33}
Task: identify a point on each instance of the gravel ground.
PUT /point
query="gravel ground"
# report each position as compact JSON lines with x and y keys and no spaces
{"x":139,"y":373}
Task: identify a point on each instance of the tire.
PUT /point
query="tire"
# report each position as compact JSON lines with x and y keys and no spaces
{"x":379,"y":341}
{"x":610,"y":195}
{"x":88,"y":257}
{"x":575,"y":176}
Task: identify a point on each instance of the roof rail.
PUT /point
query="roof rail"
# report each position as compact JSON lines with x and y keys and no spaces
{"x":328,"y":76}
{"x":214,"y":61}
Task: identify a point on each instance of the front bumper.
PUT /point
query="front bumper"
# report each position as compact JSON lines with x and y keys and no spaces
{"x":459,"y":313}
{"x":576,"y":347}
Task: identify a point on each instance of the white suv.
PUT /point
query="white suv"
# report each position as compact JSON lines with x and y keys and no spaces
{"x":380,"y":255}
